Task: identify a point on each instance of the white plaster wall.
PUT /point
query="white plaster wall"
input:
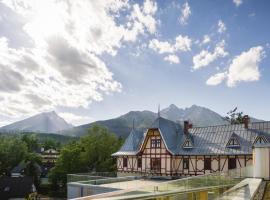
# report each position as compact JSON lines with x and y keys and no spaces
{"x":261,"y":163}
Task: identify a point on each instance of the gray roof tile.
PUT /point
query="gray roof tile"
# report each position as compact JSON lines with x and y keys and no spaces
{"x":206,"y":140}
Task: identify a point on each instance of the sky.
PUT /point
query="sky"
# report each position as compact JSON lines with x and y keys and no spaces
{"x":93,"y":60}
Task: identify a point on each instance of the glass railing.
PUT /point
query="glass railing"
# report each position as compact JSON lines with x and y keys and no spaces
{"x":89,"y":176}
{"x":212,"y":185}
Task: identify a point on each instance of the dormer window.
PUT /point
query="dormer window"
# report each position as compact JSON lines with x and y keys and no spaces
{"x":188,"y":144}
{"x":233,"y":142}
{"x":260,"y":140}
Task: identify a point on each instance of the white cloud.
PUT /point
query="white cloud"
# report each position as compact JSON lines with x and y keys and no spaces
{"x":182,"y":43}
{"x":237,"y":2}
{"x":244,"y":67}
{"x":172,"y":59}
{"x":61,"y":62}
{"x":161,"y":47}
{"x":216,"y":79}
{"x":142,"y":20}
{"x":206,"y":39}
{"x":221,"y":27}
{"x":185,"y":13}
{"x":75,"y":119}
{"x":205,"y":57}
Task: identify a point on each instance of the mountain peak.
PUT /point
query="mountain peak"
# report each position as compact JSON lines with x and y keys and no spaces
{"x":173,"y":106}
{"x":46,"y":122}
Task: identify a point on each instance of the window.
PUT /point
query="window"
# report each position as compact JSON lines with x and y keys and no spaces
{"x":124,"y":162}
{"x":139,"y":162}
{"x":155,"y":143}
{"x":187,"y":144}
{"x":207,"y":164}
{"x":185,"y":163}
{"x":155,"y":164}
{"x":231,"y":163}
{"x":233,"y":143}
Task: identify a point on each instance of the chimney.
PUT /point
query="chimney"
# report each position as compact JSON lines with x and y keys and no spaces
{"x":246,"y":121}
{"x":186,"y":127}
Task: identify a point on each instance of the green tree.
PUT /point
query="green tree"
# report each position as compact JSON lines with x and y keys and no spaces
{"x":235,"y":117}
{"x":68,"y":162}
{"x":12,"y":152}
{"x":31,"y":141}
{"x":50,"y":144}
{"x":91,"y":153}
{"x":98,"y":145}
{"x":33,"y":169}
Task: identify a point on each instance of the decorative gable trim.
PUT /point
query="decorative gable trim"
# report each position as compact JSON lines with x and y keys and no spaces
{"x":233,"y":141}
{"x":260,"y":139}
{"x":148,"y":135}
{"x":187,"y":144}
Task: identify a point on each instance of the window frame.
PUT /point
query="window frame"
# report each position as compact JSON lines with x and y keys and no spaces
{"x":187,"y":144}
{"x":233,"y":142}
{"x":139,"y":163}
{"x":207,"y":164}
{"x":185,"y":163}
{"x":125,"y":162}
{"x":155,"y":164}
{"x":232,"y":163}
{"x":155,"y":143}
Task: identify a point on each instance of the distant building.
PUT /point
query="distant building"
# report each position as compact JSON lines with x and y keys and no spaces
{"x":18,"y":171}
{"x":49,"y":158}
{"x":17,"y":188}
{"x":169,"y":149}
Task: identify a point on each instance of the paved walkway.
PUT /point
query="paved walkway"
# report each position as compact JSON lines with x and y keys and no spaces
{"x":245,"y":190}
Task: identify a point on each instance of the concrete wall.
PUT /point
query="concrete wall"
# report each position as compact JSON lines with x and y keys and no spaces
{"x":75,"y":190}
{"x":261,"y":156}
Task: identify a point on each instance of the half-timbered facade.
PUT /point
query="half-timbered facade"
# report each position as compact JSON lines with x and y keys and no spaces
{"x":169,"y":149}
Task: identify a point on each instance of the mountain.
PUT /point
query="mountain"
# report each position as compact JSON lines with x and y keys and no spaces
{"x":172,"y":112}
{"x":199,"y":116}
{"x":122,"y":125}
{"x":51,"y":123}
{"x":47,"y":122}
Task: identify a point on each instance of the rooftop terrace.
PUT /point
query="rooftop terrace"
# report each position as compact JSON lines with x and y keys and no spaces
{"x":212,"y":185}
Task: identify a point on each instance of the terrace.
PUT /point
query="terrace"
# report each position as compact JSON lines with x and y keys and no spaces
{"x":211,"y":186}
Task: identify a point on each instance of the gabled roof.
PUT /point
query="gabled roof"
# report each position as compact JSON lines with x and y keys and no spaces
{"x":261,"y":134}
{"x":15,"y":187}
{"x":170,"y":132}
{"x":19,"y":168}
{"x":210,"y":140}
{"x":132,"y":144}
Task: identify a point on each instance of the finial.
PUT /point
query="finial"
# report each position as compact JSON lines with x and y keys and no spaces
{"x":158,"y":110}
{"x":133,"y":125}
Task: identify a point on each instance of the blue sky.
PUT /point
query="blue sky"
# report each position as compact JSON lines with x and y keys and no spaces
{"x":133,"y":55}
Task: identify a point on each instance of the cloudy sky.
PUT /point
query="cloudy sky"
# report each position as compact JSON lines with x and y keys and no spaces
{"x":91,"y":60}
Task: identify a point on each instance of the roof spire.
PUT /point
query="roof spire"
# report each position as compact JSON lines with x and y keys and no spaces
{"x":158,"y":110}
